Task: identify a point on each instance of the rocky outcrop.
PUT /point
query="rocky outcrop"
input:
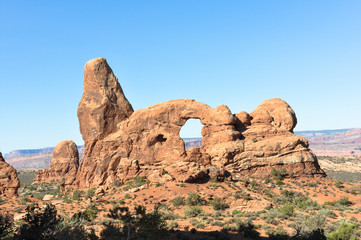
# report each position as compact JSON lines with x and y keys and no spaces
{"x":64,"y":164}
{"x":121,"y":144}
{"x":9,"y":182}
{"x":103,"y":104}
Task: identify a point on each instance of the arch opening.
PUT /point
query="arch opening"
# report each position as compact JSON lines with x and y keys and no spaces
{"x":191,"y":133}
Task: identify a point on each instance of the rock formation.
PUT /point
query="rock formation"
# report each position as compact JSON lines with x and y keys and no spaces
{"x":9,"y":182}
{"x":64,"y":164}
{"x":121,"y":144}
{"x":103,"y":104}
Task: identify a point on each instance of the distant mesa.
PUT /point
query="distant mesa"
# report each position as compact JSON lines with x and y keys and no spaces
{"x":121,"y":143}
{"x":64,"y":164}
{"x":9,"y":182}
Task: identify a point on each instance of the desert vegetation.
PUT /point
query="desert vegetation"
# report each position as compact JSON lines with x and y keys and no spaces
{"x":302,"y":208}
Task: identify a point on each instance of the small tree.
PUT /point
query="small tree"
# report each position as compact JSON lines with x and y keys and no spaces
{"x":6,"y":223}
{"x":39,"y":223}
{"x":136,"y":225}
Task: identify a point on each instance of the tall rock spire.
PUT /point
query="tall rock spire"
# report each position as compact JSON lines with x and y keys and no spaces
{"x":103,"y":104}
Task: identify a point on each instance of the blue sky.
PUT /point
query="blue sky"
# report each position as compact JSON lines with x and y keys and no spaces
{"x":237,"y":53}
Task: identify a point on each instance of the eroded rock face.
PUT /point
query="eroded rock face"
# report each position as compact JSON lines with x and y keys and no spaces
{"x":103,"y":104}
{"x":64,"y":164}
{"x":146,"y":142}
{"x":9,"y":181}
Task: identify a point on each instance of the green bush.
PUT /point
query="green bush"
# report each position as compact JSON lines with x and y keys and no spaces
{"x":178,"y":201}
{"x":218,"y":204}
{"x":278,"y":175}
{"x":77,"y":194}
{"x":136,"y":182}
{"x":345,"y":232}
{"x":69,"y":229}
{"x":137,"y":225}
{"x":89,"y":214}
{"x":172,"y":224}
{"x":287,"y":210}
{"x":280,"y":183}
{"x":338,"y":184}
{"x":247,"y":229}
{"x":116,"y":183}
{"x":6,"y":223}
{"x":344,"y":201}
{"x":192,"y":211}
{"x":197,"y":224}
{"x":193,"y":199}
{"x":90,"y":193}
{"x":39,"y":223}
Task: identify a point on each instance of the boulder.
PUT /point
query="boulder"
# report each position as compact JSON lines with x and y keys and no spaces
{"x":48,"y":197}
{"x":9,"y":181}
{"x":64,"y":164}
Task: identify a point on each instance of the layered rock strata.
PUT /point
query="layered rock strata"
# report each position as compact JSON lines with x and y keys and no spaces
{"x":64,"y":164}
{"x":9,"y":181}
{"x":121,"y":144}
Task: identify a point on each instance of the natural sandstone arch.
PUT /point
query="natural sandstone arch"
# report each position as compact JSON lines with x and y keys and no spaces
{"x":121,"y":144}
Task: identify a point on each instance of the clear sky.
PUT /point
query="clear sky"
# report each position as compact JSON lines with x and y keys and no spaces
{"x":237,"y":53}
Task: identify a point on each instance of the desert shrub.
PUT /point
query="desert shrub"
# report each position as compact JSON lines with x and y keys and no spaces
{"x":197,"y":224}
{"x":178,"y":201}
{"x":338,"y":184}
{"x":246,"y":229}
{"x":344,"y":201}
{"x":6,"y":223}
{"x":246,"y":197}
{"x":279,"y":183}
{"x":346,"y":231}
{"x":279,"y":233}
{"x":116,"y":183}
{"x":218,"y":204}
{"x":136,"y":182}
{"x":192,"y":211}
{"x":89,"y":214}
{"x":310,"y":225}
{"x":267,"y":180}
{"x":90,"y":193}
{"x":236,"y":212}
{"x":70,"y":229}
{"x":169,"y":215}
{"x":25,"y":200}
{"x":39,"y":223}
{"x":253,"y":184}
{"x":136,"y":225}
{"x":278,"y":175}
{"x":287,"y":210}
{"x":193,"y":199}
{"x":304,"y":202}
{"x":172,"y":224}
{"x":66,"y":199}
{"x":77,"y":194}
{"x":227,"y":228}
